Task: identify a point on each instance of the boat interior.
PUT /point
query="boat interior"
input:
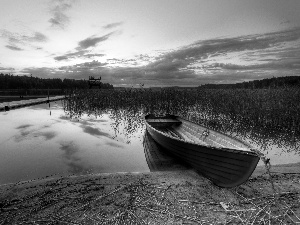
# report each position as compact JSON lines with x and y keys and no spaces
{"x":185,"y":130}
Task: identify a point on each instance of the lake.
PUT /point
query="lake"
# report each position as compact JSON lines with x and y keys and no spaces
{"x":38,"y":141}
{"x":36,"y":144}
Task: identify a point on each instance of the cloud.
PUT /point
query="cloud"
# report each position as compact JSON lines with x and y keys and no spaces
{"x":294,"y":64}
{"x":77,"y":54}
{"x":15,"y":38}
{"x":71,"y":55}
{"x":14,"y":48}
{"x":93,"y":41}
{"x":274,"y":48}
{"x":231,"y":59}
{"x":81,"y":49}
{"x":217,"y":47}
{"x":83,"y":66}
{"x":37,"y":37}
{"x":58,"y":9}
{"x":7,"y":68}
{"x":112,"y":25}
{"x":44,"y":72}
{"x":93,"y":55}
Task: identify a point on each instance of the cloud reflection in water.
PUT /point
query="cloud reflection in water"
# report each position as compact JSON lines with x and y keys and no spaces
{"x":95,"y":131}
{"x":74,"y":163}
{"x":27,"y":134}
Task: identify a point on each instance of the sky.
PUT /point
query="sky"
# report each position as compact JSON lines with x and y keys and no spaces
{"x":151,"y":42}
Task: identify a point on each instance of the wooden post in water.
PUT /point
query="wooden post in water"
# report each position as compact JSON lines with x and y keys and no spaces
{"x":48,"y":97}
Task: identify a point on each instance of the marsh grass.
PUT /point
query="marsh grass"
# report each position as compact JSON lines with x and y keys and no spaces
{"x":262,"y":115}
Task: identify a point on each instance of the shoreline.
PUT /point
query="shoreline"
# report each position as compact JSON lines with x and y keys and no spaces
{"x":164,"y":197}
{"x":291,"y":168}
{"x":169,"y":197}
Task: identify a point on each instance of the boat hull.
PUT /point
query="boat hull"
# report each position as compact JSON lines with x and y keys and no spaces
{"x":224,"y":167}
{"x":158,"y":158}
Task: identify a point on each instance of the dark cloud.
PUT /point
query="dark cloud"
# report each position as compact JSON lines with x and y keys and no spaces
{"x":7,"y":68}
{"x":71,"y":55}
{"x":266,"y":66}
{"x":81,"y":51}
{"x":77,"y":54}
{"x":44,"y":72}
{"x":37,"y":37}
{"x":94,"y":65}
{"x":285,"y":22}
{"x":112,"y":25}
{"x":177,"y":66}
{"x":93,"y":55}
{"x":14,"y":48}
{"x":93,"y":41}
{"x":58,"y":10}
{"x":215,"y":47}
{"x":255,"y":57}
{"x":14,"y":39}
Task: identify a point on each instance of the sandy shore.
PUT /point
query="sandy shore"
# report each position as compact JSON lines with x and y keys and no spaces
{"x":169,"y":197}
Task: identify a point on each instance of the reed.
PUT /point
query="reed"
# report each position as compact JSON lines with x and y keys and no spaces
{"x":263,"y":114}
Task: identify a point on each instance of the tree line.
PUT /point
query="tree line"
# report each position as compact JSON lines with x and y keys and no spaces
{"x":9,"y":81}
{"x":274,"y":82}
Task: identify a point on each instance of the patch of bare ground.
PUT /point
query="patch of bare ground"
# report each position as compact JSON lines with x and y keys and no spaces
{"x":175,"y":197}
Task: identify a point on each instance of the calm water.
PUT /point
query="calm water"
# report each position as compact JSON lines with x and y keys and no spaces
{"x":35,"y":144}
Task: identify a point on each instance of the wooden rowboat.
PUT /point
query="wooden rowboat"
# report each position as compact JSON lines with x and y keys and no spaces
{"x":225,"y":160}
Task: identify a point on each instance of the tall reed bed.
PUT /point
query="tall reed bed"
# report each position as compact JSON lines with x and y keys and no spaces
{"x":265,"y":114}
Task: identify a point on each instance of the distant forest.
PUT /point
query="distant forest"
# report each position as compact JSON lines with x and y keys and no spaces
{"x":8,"y":81}
{"x":275,"y":82}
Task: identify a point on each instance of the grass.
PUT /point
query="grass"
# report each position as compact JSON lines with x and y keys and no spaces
{"x":268,"y":114}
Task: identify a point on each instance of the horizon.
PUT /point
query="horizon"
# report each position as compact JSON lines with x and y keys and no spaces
{"x":156,"y":43}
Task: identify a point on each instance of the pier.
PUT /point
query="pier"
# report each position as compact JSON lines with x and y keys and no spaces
{"x":6,"y":106}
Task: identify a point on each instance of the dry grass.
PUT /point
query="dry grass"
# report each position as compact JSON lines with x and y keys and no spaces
{"x":168,"y":198}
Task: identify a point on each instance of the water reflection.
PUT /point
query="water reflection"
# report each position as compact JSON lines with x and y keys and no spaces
{"x":94,"y":131}
{"x":108,"y":139}
{"x":158,"y":158}
{"x":23,"y":126}
{"x":128,"y":110}
{"x":36,"y":145}
{"x":72,"y":160}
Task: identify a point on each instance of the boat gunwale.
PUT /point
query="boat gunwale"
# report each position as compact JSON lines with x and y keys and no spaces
{"x":240,"y":151}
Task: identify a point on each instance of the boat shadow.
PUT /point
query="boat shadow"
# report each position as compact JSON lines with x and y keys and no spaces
{"x":159,"y":159}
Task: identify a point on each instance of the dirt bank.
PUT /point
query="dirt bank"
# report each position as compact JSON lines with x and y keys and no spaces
{"x":175,"y":197}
